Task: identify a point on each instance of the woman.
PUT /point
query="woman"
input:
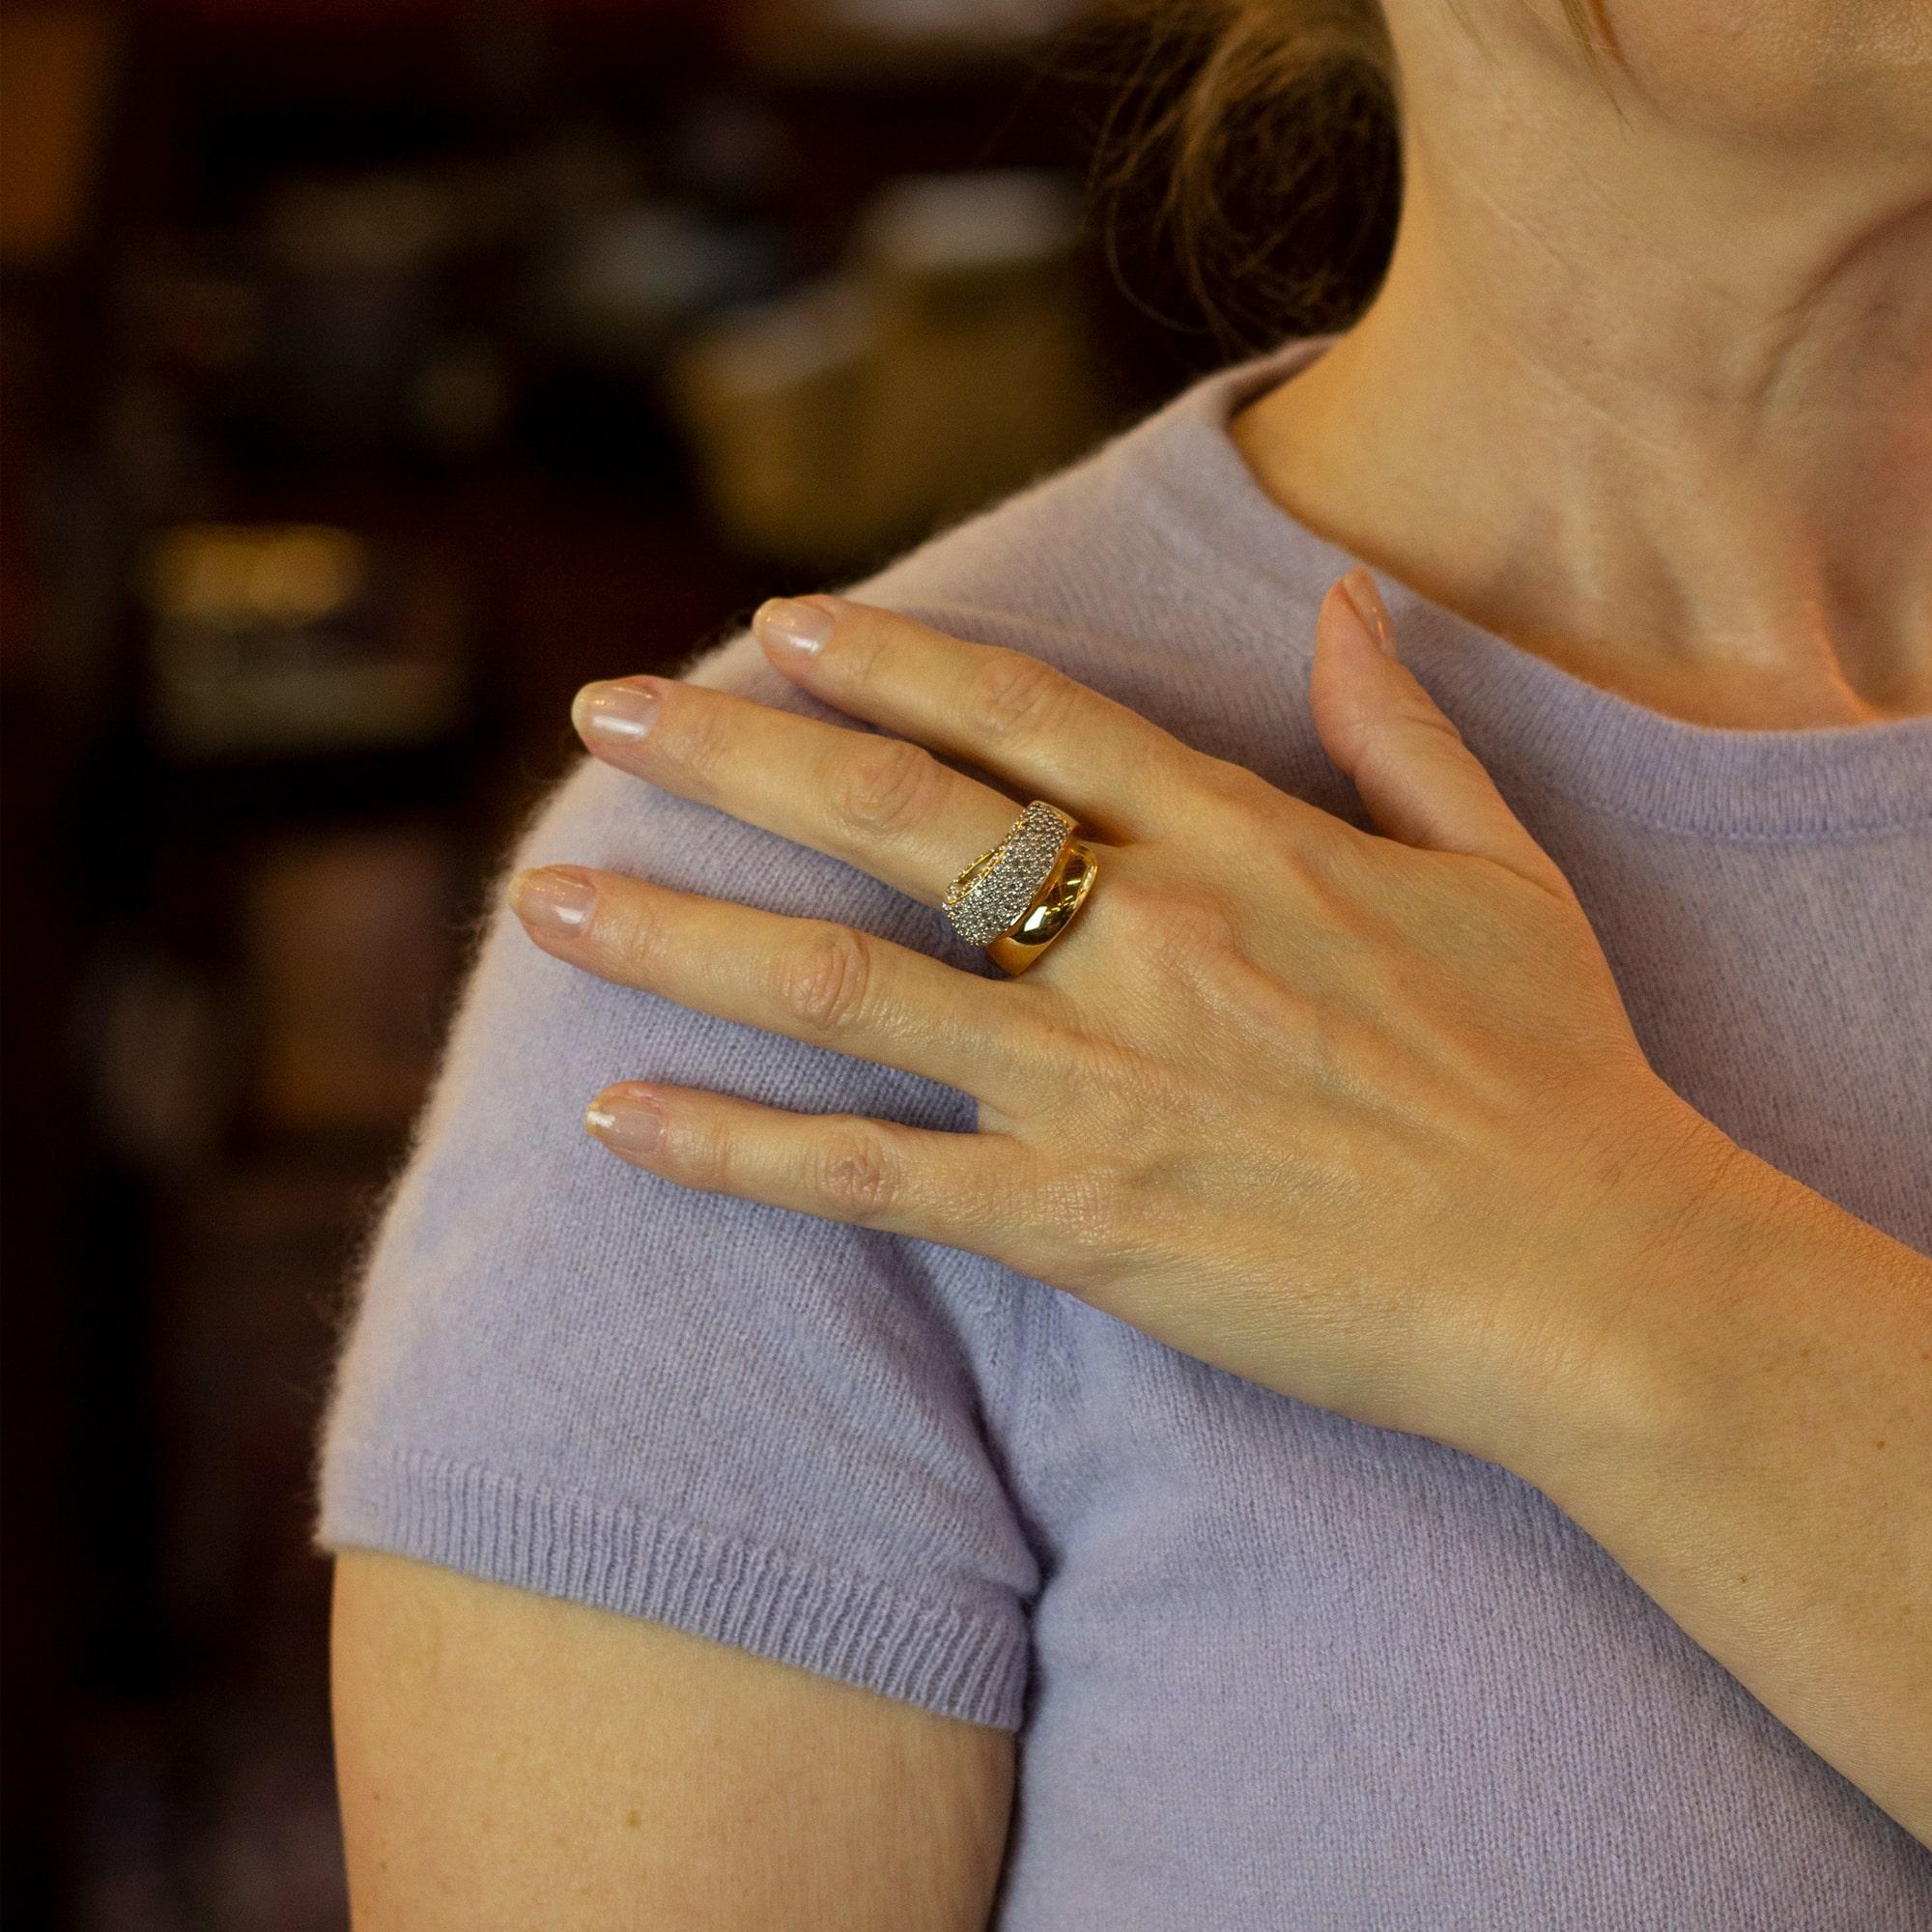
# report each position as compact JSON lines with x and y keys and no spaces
{"x":1383,"y":1381}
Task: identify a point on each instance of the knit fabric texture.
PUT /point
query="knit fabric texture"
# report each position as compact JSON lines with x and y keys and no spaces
{"x":1268,"y":1668}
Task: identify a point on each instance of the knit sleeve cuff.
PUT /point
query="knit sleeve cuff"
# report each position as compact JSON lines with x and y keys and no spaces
{"x":964,"y":1663}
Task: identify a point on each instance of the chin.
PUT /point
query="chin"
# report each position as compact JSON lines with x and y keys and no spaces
{"x":1849,"y":75}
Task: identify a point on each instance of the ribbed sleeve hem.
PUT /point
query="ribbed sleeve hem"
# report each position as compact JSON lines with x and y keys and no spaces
{"x":490,"y":1524}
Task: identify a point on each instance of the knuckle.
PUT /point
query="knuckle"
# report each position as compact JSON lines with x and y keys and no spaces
{"x":1329,"y":1041}
{"x":887,"y":785}
{"x":1391,"y":738}
{"x":1085,"y":1219}
{"x":1183,"y":932}
{"x":1197,"y":941}
{"x":1424,"y":716}
{"x":1301,"y":855}
{"x":1135,"y":906}
{"x":863,"y":644}
{"x":701,"y":742}
{"x":821,"y":981}
{"x":1241,"y":792}
{"x":1256,"y":830}
{"x":1160,"y":913}
{"x":697,"y":1152}
{"x":858,"y":1172}
{"x":633,"y":933}
{"x":1014,"y":692}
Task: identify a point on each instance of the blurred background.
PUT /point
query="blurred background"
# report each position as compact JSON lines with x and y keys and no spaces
{"x":374,"y":373}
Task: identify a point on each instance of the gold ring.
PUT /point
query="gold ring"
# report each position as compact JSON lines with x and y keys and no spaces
{"x":1052,"y":910}
{"x":1017,"y":898}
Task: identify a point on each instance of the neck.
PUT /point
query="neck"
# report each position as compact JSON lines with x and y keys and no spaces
{"x":1656,"y":410}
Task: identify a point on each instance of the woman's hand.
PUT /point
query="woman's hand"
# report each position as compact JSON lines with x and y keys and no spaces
{"x":1357,"y":1116}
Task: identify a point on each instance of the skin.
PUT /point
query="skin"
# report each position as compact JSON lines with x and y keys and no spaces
{"x":1357,"y":1115}
{"x":1285,"y":1048}
{"x":510,"y":1761}
{"x":1675,"y":320}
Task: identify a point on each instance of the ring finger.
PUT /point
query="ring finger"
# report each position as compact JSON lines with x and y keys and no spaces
{"x":811,"y":978}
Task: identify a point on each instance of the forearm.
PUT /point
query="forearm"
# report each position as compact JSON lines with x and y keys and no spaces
{"x":1773,"y":1489}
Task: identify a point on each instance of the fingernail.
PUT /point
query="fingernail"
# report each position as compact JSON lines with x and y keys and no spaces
{"x":553,"y":902}
{"x":1366,"y":601}
{"x":627,"y":1119}
{"x":802,"y":629}
{"x":616,"y":714}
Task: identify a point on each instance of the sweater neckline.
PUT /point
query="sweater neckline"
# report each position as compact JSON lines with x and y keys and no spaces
{"x":1531,"y":721}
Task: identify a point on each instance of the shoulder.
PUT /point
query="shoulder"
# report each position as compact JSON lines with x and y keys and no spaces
{"x":781,"y":1431}
{"x":1152,"y":570}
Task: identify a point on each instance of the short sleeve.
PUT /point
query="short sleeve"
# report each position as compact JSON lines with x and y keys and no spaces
{"x":567,"y":1374}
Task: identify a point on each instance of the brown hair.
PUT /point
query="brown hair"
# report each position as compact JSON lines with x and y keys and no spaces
{"x":1265,"y":134}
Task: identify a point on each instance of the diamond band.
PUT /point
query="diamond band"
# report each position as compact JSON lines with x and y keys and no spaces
{"x":996,"y":891}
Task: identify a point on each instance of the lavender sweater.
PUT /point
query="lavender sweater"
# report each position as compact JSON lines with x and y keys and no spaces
{"x":1268,"y":1668}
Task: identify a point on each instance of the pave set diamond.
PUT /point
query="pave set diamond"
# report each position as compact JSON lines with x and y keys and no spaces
{"x":993,"y":893}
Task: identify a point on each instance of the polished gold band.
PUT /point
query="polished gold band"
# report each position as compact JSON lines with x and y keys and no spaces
{"x":1052,"y":910}
{"x":1018,"y":898}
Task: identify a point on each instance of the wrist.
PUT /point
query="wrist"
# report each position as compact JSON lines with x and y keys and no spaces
{"x":1702,"y":1323}
{"x":1680,"y":1239}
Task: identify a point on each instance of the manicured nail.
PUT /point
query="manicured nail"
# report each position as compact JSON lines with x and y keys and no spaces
{"x":552,"y":900}
{"x":788,"y":625}
{"x":1366,"y":601}
{"x":627,"y":1119}
{"x":615,"y":714}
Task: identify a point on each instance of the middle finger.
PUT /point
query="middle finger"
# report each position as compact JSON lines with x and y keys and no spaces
{"x":812,"y":979}
{"x":882,"y":804}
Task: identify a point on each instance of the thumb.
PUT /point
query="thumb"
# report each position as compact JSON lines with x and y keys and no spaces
{"x":1418,"y":779}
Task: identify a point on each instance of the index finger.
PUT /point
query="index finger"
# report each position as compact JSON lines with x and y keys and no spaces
{"x":1015,"y":716}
